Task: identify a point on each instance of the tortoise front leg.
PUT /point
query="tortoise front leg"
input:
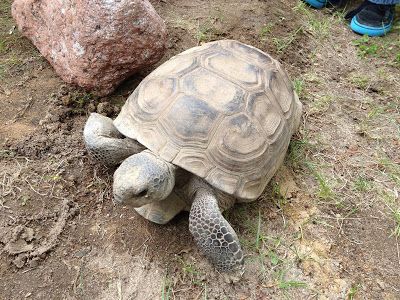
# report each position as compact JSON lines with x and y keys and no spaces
{"x":105,"y":143}
{"x":212,"y":233}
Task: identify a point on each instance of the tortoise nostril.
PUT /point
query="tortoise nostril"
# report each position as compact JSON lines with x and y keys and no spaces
{"x":142,"y":193}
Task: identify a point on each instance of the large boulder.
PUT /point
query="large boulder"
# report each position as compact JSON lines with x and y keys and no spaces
{"x":95,"y":44}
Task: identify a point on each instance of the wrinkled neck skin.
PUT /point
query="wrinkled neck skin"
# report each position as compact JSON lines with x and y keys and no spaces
{"x":189,"y":185}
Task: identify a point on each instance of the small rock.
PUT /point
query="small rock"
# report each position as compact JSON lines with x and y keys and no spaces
{"x":34,"y":262}
{"x":18,"y":246}
{"x":381,"y":284}
{"x":72,"y":178}
{"x":63,"y":90}
{"x":116,"y":109}
{"x":19,"y":261}
{"x":104,"y":108}
{"x":83,"y":252}
{"x":91,"y":107}
{"x":28,"y":235}
{"x":66,"y":100}
{"x":230,"y":278}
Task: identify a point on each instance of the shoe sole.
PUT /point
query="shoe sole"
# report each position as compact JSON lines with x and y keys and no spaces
{"x":317,"y":3}
{"x":369,"y":30}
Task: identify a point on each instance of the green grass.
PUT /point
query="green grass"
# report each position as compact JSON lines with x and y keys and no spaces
{"x":288,"y":284}
{"x":291,"y":284}
{"x":205,"y":292}
{"x":396,"y":216}
{"x":2,"y":47}
{"x":321,"y":104}
{"x":5,"y":13}
{"x":9,"y":63}
{"x":385,"y":47}
{"x":190,"y":272}
{"x":325,"y":190}
{"x":297,"y":156}
{"x":274,"y":258}
{"x":258,"y":235}
{"x":390,"y":201}
{"x":282,"y":43}
{"x":279,"y":196}
{"x":368,"y":124}
{"x":207,"y":31}
{"x":391,"y":169}
{"x":298,"y":85}
{"x":265,"y":31}
{"x":365,"y":46}
{"x":362,"y":184}
{"x":272,"y":251}
{"x":203,"y":34}
{"x":302,"y":8}
{"x":319,"y":27}
{"x":24,"y":199}
{"x":397,"y":59}
{"x":81,"y":99}
{"x":6,"y":153}
{"x":353,"y":291}
{"x":166,"y":290}
{"x":360,"y":81}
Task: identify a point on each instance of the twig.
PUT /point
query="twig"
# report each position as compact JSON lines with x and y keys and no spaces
{"x":79,"y":276}
{"x":136,"y":249}
{"x":22,"y":111}
{"x":28,"y":270}
{"x":340,"y":218}
{"x":2,"y":204}
{"x":119,"y":287}
{"x":33,"y":188}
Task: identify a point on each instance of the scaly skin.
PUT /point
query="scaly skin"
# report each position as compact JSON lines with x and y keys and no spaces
{"x":212,"y":233}
{"x":105,"y":143}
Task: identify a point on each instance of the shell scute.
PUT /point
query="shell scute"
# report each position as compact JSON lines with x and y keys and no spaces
{"x":154,"y":95}
{"x":220,"y":93}
{"x":266,"y":112}
{"x":189,"y":119}
{"x":233,"y":68}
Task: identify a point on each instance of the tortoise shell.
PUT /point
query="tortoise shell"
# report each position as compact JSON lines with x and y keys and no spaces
{"x":224,"y":111}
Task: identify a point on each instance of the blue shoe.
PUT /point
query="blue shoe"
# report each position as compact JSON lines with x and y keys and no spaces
{"x":317,"y":3}
{"x":322,"y":3}
{"x":372,"y":19}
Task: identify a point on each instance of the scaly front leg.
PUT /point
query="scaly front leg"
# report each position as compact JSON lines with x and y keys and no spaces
{"x":105,"y":143}
{"x":213,"y":234}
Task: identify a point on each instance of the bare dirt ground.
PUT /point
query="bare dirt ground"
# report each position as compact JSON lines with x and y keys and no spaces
{"x":327,"y":227}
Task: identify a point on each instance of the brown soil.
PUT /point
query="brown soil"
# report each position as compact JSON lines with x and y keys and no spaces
{"x":324,"y":228}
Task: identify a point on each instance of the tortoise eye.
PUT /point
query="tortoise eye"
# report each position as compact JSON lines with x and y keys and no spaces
{"x":142,"y":193}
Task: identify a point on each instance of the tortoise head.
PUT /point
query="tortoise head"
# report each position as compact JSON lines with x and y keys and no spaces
{"x":143,"y":178}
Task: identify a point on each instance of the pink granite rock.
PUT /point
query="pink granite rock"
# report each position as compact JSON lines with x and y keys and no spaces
{"x":95,"y":44}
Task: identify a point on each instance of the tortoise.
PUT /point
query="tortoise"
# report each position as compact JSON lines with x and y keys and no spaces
{"x":206,"y":129}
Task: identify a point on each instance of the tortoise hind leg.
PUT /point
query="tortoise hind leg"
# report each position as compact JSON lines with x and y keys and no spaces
{"x":105,"y":143}
{"x":213,"y":234}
